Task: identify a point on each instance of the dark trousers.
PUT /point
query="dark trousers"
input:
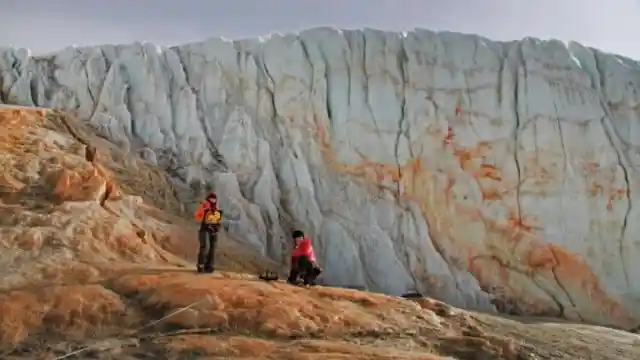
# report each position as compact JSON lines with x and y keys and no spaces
{"x":207,"y":251}
{"x":301,"y":266}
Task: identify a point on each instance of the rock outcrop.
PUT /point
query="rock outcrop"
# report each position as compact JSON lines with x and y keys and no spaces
{"x":346,"y":134}
{"x":74,"y":206}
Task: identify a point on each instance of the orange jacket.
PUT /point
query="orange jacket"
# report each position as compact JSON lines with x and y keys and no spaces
{"x":206,"y":208}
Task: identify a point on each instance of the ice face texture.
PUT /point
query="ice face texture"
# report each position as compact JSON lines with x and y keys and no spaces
{"x":344,"y":134}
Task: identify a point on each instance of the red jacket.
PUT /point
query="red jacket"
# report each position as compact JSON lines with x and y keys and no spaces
{"x":304,"y":248}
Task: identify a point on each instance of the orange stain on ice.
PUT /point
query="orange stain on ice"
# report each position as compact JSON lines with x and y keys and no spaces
{"x":421,"y":186}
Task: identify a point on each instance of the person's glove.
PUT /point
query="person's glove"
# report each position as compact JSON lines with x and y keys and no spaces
{"x":317,"y":270}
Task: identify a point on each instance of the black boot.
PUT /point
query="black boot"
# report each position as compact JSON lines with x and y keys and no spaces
{"x":312,"y":276}
{"x":293,"y":277}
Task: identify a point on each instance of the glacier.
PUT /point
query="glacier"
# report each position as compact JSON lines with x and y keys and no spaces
{"x":526,"y":208}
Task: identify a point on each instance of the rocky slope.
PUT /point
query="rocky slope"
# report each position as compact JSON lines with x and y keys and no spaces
{"x":93,"y":251}
{"x":344,"y":133}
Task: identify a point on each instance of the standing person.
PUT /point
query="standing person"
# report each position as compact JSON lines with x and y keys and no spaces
{"x":209,"y":215}
{"x":303,"y":260}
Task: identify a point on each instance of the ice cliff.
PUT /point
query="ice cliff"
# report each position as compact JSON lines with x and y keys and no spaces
{"x":344,"y":134}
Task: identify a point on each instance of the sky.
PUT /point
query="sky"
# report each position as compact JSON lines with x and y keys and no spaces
{"x":48,"y":25}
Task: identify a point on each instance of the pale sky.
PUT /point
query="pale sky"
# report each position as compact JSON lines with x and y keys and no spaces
{"x":47,"y":25}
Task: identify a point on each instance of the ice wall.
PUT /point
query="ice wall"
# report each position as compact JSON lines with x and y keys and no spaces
{"x":344,"y":134}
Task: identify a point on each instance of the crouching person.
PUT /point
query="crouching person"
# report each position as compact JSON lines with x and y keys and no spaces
{"x":303,"y":260}
{"x":209,"y":215}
